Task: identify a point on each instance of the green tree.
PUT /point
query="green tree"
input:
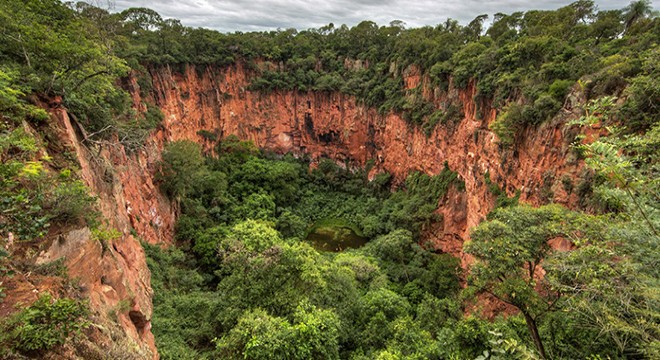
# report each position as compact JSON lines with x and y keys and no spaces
{"x":509,"y":249}
{"x":380,"y":307}
{"x":608,"y":25}
{"x":410,"y":341}
{"x":635,"y":11}
{"x":627,"y":162}
{"x":59,"y":52}
{"x":312,"y":335}
{"x":609,"y":284}
{"x":260,"y":270}
{"x":257,"y":206}
{"x":181,"y":164}
{"x":475,"y":28}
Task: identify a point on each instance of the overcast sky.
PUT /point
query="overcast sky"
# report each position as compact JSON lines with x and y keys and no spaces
{"x":249,"y":15}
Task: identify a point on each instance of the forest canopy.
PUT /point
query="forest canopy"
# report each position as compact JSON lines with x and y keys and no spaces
{"x":524,"y":63}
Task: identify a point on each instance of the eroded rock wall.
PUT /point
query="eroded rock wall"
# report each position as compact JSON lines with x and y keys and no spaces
{"x":318,"y":124}
{"x":110,"y":272}
{"x":328,"y":124}
{"x":113,"y":273}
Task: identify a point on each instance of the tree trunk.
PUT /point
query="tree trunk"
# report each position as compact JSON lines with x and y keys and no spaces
{"x":534,"y":332}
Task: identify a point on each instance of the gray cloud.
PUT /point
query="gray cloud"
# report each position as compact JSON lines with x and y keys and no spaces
{"x":256,"y":15}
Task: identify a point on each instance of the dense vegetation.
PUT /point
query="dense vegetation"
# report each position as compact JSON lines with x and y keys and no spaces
{"x":46,"y":323}
{"x":524,"y":64}
{"x":49,"y":53}
{"x":243,"y":283}
{"x":262,"y":291}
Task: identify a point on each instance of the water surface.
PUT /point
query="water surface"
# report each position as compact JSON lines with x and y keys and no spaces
{"x":335,"y":238}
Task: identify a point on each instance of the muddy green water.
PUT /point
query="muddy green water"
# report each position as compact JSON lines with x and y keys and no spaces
{"x":335,"y":239}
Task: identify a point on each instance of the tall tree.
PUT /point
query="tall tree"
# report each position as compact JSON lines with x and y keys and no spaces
{"x":635,"y":11}
{"x":473,"y":30}
{"x":182,"y":161}
{"x":509,"y":249}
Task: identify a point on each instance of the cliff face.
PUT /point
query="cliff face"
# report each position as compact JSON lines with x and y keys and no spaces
{"x":111,"y":273}
{"x":322,"y":124}
{"x":114,"y":276}
{"x":317,"y":124}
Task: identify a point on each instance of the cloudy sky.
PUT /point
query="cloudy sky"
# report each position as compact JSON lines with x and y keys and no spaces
{"x":248,"y":15}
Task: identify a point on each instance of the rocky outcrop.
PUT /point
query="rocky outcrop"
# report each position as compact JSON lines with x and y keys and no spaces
{"x":113,"y":273}
{"x":109,"y":271}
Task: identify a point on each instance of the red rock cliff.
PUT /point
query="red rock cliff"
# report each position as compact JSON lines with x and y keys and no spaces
{"x":318,"y":124}
{"x":114,"y":276}
{"x":334,"y":125}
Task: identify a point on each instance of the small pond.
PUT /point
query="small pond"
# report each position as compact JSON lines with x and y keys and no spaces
{"x":334,"y":238}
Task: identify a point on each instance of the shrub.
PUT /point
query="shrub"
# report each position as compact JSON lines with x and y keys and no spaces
{"x":502,"y":199}
{"x":559,"y":89}
{"x":31,"y":197}
{"x":54,"y":268}
{"x":104,"y":234}
{"x":44,"y":325}
{"x":545,"y":107}
{"x":506,"y":124}
{"x":70,"y":201}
